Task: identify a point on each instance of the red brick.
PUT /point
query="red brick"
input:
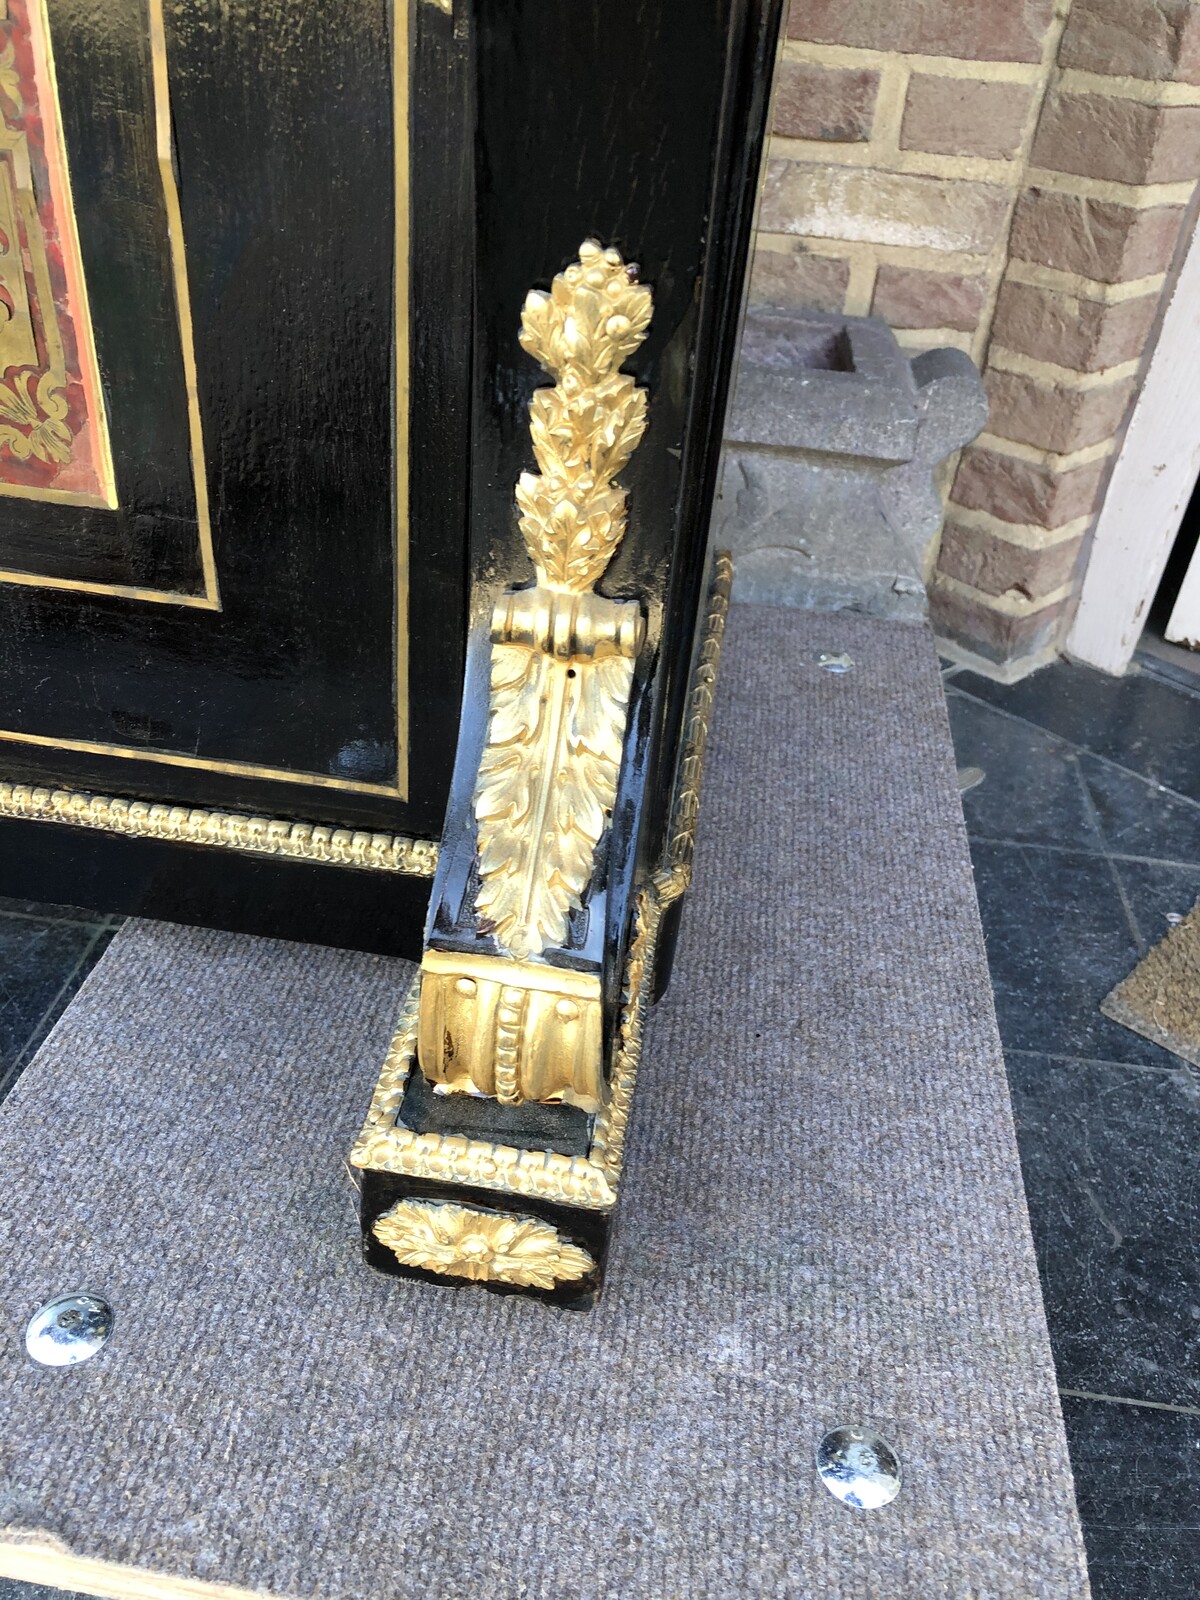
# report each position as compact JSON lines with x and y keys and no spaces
{"x":1085,"y":335}
{"x":995,"y":635}
{"x":1154,"y":39}
{"x":975,"y":30}
{"x":1051,"y":417}
{"x":964,"y":116}
{"x":909,"y":297}
{"x":828,"y":200}
{"x":997,"y":566}
{"x":1025,"y":491}
{"x":1096,"y":238}
{"x":1107,"y":136}
{"x":824,"y":103}
{"x":797,"y":279}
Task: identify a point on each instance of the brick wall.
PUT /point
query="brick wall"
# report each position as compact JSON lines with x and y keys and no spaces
{"x":1010,"y":176}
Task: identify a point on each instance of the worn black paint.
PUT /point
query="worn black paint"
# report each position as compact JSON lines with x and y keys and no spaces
{"x":563,"y":1129}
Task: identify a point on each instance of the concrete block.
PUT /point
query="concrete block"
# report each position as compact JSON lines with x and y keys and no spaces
{"x":828,"y":496}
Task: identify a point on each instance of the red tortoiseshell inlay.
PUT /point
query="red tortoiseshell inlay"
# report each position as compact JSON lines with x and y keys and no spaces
{"x":53,"y":430}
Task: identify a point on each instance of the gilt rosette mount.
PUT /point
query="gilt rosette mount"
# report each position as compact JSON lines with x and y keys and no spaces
{"x":493,"y":1150}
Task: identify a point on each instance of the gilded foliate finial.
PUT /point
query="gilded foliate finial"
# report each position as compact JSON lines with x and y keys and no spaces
{"x":562,"y":670}
{"x":585,"y":428}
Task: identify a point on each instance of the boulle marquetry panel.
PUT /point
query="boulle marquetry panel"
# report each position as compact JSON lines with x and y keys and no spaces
{"x":54,"y":443}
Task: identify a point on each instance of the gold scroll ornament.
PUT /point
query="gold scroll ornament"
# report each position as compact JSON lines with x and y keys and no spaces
{"x":561,"y":672}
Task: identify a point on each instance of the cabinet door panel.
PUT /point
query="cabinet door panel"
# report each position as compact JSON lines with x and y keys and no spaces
{"x":239,"y":629}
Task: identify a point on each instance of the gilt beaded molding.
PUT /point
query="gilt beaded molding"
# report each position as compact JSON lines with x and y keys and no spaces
{"x":229,"y":830}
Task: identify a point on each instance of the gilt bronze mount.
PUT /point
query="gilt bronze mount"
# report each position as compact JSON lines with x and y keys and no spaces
{"x":493,"y":1149}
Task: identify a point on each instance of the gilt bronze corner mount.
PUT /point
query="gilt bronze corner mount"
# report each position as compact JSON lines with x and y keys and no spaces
{"x":512,"y":1024}
{"x":575,"y":1194}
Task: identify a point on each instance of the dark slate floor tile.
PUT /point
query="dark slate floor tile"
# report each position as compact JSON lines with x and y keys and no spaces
{"x":1030,"y":789}
{"x":1138,"y":817}
{"x":40,"y":966}
{"x":50,"y":913}
{"x":1109,"y":1157}
{"x":1158,"y":892}
{"x":1139,"y":721}
{"x":102,"y":939}
{"x":1058,"y":938}
{"x":1137,"y":1481}
{"x":11,"y":1590}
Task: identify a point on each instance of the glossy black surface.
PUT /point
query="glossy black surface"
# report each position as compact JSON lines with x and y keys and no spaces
{"x":354,"y":910}
{"x":1081,"y":854}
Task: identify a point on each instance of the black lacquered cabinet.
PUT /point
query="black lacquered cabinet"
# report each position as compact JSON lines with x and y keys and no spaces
{"x":362,"y":372}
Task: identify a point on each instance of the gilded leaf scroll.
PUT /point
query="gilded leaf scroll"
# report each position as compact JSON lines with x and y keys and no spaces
{"x":563,"y":657}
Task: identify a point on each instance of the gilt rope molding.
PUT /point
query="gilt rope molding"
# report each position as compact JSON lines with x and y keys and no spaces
{"x":590,"y":1181}
{"x":513,"y":1026}
{"x":229,"y":830}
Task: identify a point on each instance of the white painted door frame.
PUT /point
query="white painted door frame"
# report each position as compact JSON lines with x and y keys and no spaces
{"x":1152,"y":481}
{"x":1183,"y":625}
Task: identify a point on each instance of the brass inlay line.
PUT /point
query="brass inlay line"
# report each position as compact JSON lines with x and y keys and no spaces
{"x":123,"y":591}
{"x":590,"y":1181}
{"x":402,"y":398}
{"x":232,"y":830}
{"x":183,"y":298}
{"x":166,"y":758}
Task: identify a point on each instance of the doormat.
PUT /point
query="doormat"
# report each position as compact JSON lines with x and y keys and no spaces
{"x":1160,"y":999}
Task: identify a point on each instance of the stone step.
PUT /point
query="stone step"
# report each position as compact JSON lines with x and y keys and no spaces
{"x":822,"y":1223}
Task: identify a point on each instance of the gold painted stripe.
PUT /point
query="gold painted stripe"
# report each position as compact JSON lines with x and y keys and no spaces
{"x":166,"y":758}
{"x":402,"y":400}
{"x":183,"y":298}
{"x":163,"y":597}
{"x":229,"y":830}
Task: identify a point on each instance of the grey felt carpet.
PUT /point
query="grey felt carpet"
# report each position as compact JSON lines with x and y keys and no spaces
{"x":822,"y":1221}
